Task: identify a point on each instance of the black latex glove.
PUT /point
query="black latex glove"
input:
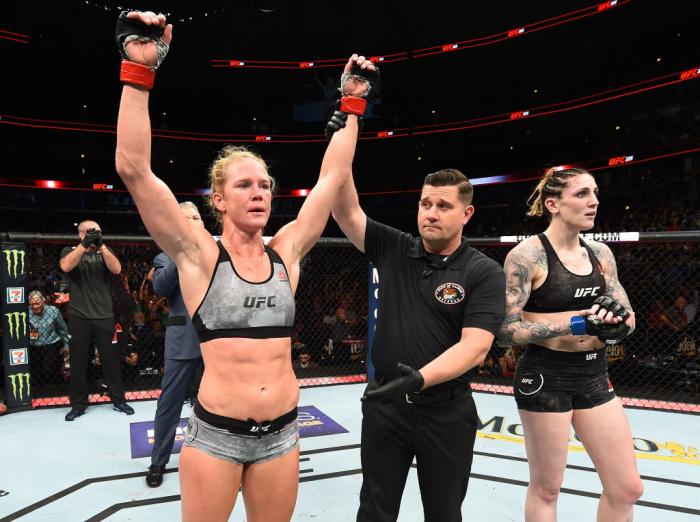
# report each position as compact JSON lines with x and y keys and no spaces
{"x":98,"y":240}
{"x":410,"y":381}
{"x":336,"y":123}
{"x":90,"y":236}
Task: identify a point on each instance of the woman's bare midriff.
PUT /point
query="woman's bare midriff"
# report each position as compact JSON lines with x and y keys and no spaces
{"x":248,"y":378}
{"x":564,"y":343}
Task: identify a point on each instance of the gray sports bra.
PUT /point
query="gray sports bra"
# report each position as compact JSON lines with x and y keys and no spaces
{"x":234,"y":307}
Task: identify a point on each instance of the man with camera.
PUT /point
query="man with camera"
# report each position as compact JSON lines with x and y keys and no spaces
{"x":90,"y":316}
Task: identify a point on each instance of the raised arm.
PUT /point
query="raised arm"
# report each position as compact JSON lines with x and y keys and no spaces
{"x":350,"y":217}
{"x":138,"y":34}
{"x":520,"y":267}
{"x":335,"y":168}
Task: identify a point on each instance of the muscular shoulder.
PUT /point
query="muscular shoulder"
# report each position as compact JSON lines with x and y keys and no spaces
{"x":604,"y":255}
{"x":598,"y":248}
{"x":529,"y":252}
{"x":526,"y":262}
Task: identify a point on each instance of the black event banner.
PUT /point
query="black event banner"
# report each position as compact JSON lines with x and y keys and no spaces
{"x":15,"y":323}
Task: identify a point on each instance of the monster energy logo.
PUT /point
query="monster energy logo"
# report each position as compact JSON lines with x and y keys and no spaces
{"x":18,"y":380}
{"x":14,"y":319}
{"x":14,"y":258}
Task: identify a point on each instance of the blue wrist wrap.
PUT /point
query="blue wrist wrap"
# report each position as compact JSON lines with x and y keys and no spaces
{"x":578,"y":325}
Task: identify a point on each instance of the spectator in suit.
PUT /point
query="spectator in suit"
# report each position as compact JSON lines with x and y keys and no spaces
{"x":183,"y":359}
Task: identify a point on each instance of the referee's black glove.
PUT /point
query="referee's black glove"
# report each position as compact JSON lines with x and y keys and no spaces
{"x":410,"y":381}
{"x":338,"y":121}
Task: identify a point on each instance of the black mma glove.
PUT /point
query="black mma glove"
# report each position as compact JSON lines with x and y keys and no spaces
{"x":129,"y":29}
{"x":90,"y":236}
{"x":607,"y":332}
{"x":410,"y":381}
{"x":371,"y":78}
{"x":353,"y":104}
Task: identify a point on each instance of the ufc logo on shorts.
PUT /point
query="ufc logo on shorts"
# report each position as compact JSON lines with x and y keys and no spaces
{"x":583,"y":292}
{"x":591,"y":356}
{"x":526,"y":381}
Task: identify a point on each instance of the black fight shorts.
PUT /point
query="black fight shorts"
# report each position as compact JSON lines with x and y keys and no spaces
{"x":551,"y":381}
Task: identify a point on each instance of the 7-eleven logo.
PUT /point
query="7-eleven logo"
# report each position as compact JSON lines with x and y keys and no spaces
{"x":15,"y":295}
{"x":19,"y":356}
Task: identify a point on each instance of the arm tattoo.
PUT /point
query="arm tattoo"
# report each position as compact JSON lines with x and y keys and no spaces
{"x":520,"y":267}
{"x":613,"y":288}
{"x":527,"y":332}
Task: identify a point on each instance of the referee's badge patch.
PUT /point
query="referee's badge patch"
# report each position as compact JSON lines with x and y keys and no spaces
{"x":449,"y":293}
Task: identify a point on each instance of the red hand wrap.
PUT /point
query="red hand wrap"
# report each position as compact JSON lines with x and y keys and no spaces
{"x":137,"y":75}
{"x":353,"y":105}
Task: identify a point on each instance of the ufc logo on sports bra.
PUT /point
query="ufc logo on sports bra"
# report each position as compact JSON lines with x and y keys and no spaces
{"x":260,"y":302}
{"x":583,"y":292}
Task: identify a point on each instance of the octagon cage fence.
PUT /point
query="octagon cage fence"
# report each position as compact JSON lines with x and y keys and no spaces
{"x":656,"y":367}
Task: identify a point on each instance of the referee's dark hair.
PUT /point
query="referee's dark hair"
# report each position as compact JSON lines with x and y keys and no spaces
{"x":451,"y":177}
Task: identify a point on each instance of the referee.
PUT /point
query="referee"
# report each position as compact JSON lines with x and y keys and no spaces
{"x":440,"y":304}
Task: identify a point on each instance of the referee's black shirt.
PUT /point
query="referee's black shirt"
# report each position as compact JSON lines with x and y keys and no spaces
{"x":425,"y":300}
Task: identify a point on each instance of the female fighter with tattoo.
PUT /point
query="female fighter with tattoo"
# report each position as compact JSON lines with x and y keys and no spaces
{"x":564,"y":300}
